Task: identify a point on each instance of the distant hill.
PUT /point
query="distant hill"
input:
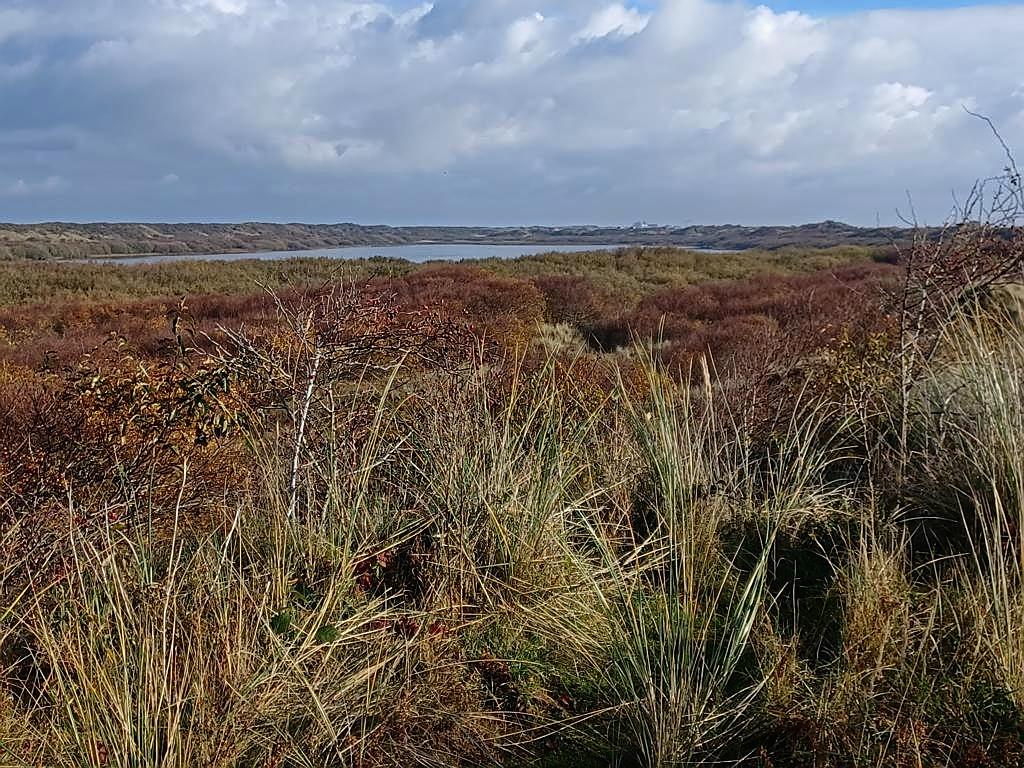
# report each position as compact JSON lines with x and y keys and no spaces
{"x":76,"y":241}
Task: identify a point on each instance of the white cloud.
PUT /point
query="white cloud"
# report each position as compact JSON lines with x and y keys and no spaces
{"x":230,"y":7}
{"x":21,"y":187}
{"x":523,"y":34}
{"x":615,"y":19}
{"x":692,"y":109}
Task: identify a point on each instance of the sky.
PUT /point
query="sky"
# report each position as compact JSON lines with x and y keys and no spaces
{"x":502,"y":112}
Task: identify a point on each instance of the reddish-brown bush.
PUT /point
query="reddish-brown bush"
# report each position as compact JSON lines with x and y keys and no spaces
{"x":117,"y":425}
{"x":500,"y":308}
{"x":731,"y":320}
{"x":572,"y":299}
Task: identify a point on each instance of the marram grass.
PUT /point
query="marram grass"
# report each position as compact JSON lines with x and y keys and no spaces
{"x":500,"y":573}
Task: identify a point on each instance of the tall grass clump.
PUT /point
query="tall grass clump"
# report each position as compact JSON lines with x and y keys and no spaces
{"x":659,"y":622}
{"x":979,"y":398}
{"x":679,"y":611}
{"x":186,"y":656}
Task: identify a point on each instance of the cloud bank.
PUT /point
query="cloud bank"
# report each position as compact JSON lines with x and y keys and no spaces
{"x":497,"y":111}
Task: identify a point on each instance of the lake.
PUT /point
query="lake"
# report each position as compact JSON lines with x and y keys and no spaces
{"x":414,"y":253}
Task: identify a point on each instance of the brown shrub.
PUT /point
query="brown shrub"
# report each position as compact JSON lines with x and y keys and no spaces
{"x":114,"y":429}
{"x":500,"y":308}
{"x":573,"y":300}
{"x":732,"y":320}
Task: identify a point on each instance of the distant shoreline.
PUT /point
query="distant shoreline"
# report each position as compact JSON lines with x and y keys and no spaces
{"x":412,"y":253}
{"x":299,"y":251}
{"x":58,"y":241}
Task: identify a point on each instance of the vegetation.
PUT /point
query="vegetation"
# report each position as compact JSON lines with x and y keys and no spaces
{"x":643,"y":509}
{"x":623,"y":275}
{"x":55,"y":313}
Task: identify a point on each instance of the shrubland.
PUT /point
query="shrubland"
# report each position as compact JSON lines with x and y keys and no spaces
{"x":650,"y":509}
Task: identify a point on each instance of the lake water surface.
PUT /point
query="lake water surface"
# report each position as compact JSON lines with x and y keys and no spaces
{"x":413,"y":253}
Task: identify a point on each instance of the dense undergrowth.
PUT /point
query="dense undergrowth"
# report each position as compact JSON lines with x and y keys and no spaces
{"x":393,"y":524}
{"x":623,"y":274}
{"x":61,"y":312}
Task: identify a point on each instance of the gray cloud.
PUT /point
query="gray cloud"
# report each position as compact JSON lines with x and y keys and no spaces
{"x":501,"y":111}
